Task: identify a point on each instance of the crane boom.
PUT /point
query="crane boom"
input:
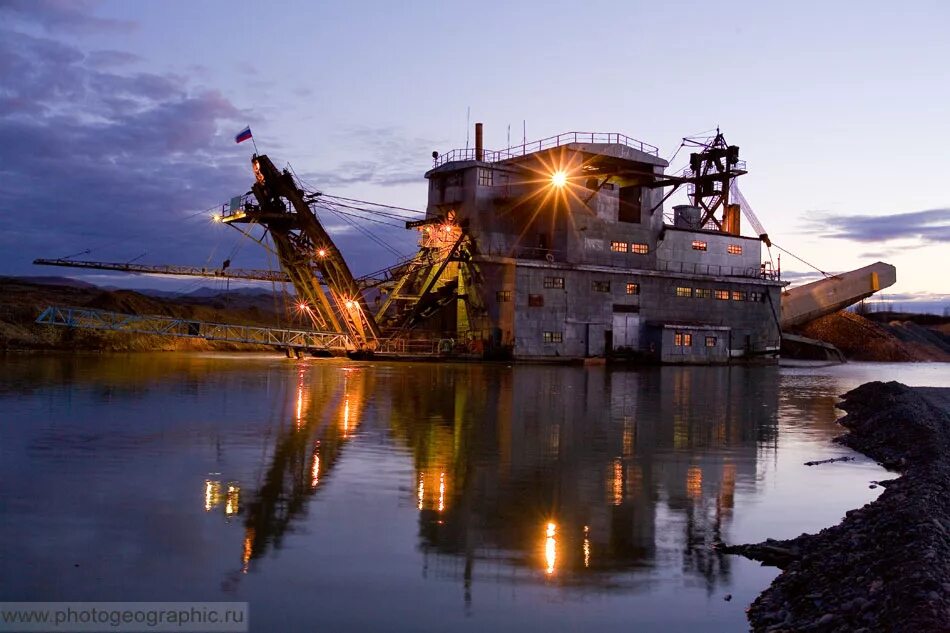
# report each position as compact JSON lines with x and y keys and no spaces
{"x":305,"y":250}
{"x":166,"y":269}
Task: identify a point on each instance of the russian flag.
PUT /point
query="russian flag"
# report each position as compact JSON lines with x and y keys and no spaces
{"x":243,"y":135}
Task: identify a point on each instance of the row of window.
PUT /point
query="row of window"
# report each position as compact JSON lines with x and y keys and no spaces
{"x":724,"y":295}
{"x":684,"y":339}
{"x":732,"y":249}
{"x":632,"y":288}
{"x":630,"y":247}
{"x":680,"y":339}
{"x":604,"y":286}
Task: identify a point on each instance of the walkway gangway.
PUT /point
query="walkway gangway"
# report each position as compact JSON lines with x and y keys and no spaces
{"x":282,"y":338}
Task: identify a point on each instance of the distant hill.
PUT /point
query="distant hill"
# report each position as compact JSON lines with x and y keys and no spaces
{"x":23,"y":299}
{"x":57,"y":281}
{"x":203,"y":291}
{"x":926,"y":320}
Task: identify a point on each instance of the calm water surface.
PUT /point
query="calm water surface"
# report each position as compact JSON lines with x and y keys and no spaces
{"x":335,"y":495}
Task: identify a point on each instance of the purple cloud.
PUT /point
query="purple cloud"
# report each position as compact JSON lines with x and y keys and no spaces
{"x":931,"y":226}
{"x":110,"y":59}
{"x":94,"y":155}
{"x":63,"y":15}
{"x":100,"y":154}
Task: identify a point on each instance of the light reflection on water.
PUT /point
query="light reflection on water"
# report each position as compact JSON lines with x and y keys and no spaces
{"x":416,"y":496}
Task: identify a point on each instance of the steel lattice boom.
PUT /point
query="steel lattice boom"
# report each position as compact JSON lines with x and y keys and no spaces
{"x":305,"y":248}
{"x":172,"y":270}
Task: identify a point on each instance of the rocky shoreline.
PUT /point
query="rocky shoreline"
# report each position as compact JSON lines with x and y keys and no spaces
{"x":886,"y":566}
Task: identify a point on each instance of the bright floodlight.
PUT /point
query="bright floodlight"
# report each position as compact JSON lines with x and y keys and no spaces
{"x":559,"y":178}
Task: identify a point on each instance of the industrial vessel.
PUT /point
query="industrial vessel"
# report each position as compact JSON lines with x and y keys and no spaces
{"x":557,"y":249}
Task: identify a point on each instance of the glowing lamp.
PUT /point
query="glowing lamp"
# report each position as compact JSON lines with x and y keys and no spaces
{"x":559,"y":178}
{"x":322,"y":252}
{"x":350,"y":305}
{"x":215,"y":217}
{"x":301,"y":306}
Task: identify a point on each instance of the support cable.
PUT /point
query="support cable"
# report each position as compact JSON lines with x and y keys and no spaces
{"x":802,"y":260}
{"x":365,"y":231}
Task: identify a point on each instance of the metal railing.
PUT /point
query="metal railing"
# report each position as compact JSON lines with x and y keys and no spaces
{"x":717,"y":270}
{"x":91,"y":319}
{"x":409,"y":347}
{"x":237,"y":206}
{"x":689,"y":173}
{"x":494,"y":156}
{"x":283,"y":338}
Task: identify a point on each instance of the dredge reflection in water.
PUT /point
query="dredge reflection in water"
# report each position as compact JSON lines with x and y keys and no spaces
{"x":548,"y":474}
{"x":327,"y":412}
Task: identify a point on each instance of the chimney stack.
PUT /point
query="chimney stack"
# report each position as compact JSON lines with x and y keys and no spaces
{"x":479,"y":147}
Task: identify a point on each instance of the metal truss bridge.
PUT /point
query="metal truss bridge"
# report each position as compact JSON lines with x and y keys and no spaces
{"x":283,"y":338}
{"x":287,"y":339}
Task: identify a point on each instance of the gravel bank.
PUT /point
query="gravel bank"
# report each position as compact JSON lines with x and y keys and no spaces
{"x":886,"y":566}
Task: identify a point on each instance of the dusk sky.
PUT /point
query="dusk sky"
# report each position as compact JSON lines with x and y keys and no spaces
{"x":118,"y":118}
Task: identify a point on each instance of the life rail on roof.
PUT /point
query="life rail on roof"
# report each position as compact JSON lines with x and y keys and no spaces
{"x":494,"y":156}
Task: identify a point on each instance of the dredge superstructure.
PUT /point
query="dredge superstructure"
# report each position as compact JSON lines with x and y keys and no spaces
{"x":577,"y":260}
{"x":555,"y":249}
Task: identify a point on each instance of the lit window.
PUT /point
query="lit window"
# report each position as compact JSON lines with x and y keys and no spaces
{"x":554,"y":282}
{"x":738,"y":295}
{"x":710,"y":341}
{"x":703,"y":293}
{"x":722,"y":294}
{"x":618,"y":247}
{"x":684,"y":292}
{"x":553,"y":337}
{"x":734,"y":249}
{"x":535,"y":301}
{"x":681,"y":339}
{"x":640,"y":249}
{"x":503,"y":295}
{"x":601,"y":286}
{"x":633,"y":289}
{"x":699,"y":245}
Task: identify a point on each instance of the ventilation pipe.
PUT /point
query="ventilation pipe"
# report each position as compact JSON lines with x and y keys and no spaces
{"x":479,"y":147}
{"x":730,"y":219}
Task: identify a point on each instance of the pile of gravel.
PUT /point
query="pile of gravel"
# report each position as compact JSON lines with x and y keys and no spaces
{"x":886,"y":566}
